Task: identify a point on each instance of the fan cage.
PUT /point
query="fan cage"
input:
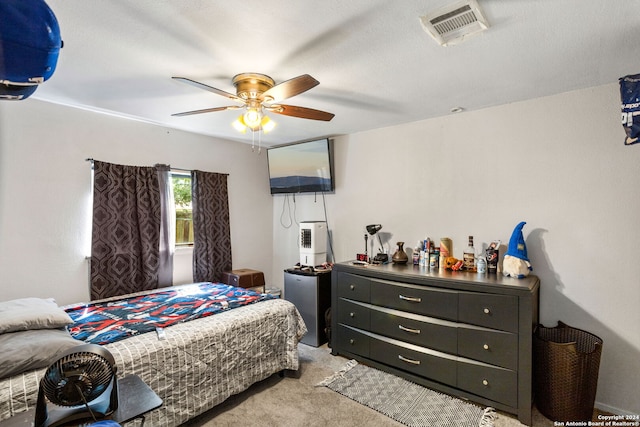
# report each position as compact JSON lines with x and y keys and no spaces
{"x":77,"y":378}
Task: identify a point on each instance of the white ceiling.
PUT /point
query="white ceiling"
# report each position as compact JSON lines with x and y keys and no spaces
{"x":376,"y":65}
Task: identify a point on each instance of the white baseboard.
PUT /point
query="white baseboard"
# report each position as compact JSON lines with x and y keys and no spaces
{"x":611,"y":409}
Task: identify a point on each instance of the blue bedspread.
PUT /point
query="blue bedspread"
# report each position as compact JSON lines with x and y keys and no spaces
{"x":106,"y":322}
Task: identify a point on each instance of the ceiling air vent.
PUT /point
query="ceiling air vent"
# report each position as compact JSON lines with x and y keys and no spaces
{"x":454,"y":23}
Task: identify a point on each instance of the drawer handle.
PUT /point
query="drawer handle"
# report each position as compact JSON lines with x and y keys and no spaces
{"x":352,"y":341}
{"x":352,"y":287}
{"x":404,"y":328}
{"x":486,"y":346}
{"x":485,"y":382}
{"x":486,"y":310}
{"x":404,"y":359}
{"x":410,"y":299}
{"x":352,"y":314}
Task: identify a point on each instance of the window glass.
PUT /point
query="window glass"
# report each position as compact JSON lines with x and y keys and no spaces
{"x":182,"y":202}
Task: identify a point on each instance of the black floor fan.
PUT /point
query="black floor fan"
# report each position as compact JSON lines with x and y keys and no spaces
{"x":80,"y":385}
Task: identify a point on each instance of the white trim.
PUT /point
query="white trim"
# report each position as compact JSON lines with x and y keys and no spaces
{"x":612,"y":409}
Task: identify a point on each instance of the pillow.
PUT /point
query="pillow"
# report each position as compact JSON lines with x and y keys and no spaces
{"x":26,"y":350}
{"x":31,"y":313}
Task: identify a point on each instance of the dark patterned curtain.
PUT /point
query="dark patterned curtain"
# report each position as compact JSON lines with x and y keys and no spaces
{"x":211,"y":230}
{"x":126,"y":230}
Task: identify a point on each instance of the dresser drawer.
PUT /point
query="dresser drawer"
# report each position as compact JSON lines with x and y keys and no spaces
{"x":353,"y":341}
{"x":414,"y":329}
{"x":493,"y":311}
{"x":353,"y":314}
{"x":497,"y":384}
{"x":415,"y":360}
{"x":423,"y":300}
{"x":494,"y":347}
{"x":353,"y":287}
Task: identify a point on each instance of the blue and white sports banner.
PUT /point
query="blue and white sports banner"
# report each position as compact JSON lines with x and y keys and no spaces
{"x":630,"y":94}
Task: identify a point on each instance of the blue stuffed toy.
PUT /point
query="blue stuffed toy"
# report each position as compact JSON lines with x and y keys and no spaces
{"x":516,"y":262}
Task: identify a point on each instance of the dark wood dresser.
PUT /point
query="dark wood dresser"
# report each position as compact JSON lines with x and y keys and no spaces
{"x":462,"y":333}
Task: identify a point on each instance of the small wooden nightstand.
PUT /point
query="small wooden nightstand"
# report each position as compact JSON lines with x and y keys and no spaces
{"x":245,"y":278}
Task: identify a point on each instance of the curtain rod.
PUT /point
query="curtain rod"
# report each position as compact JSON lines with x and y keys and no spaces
{"x":90,"y":159}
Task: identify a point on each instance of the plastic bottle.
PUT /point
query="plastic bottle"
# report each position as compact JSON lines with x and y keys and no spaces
{"x":420,"y":250}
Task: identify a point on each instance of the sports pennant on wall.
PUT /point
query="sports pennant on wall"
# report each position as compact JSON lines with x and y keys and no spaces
{"x":630,"y":94}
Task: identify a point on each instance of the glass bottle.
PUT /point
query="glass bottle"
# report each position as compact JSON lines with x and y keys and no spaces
{"x":469,"y":256}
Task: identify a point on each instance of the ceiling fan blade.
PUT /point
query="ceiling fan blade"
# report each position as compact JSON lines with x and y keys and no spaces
{"x":208,"y":88}
{"x":290,"y":88}
{"x":207,"y":110}
{"x":301,"y":112}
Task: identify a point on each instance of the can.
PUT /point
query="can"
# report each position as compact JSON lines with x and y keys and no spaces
{"x":482,"y":265}
{"x":434,"y":259}
{"x":446,"y":247}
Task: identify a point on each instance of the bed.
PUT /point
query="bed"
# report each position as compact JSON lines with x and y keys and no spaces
{"x":198,"y":363}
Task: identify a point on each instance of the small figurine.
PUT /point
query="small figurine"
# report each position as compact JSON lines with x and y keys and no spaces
{"x":452,"y":263}
{"x":516,"y":262}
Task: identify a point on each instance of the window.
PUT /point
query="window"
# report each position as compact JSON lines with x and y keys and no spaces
{"x":184,"y":214}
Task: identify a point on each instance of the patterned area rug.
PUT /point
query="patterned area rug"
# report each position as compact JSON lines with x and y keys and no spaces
{"x":404,"y":401}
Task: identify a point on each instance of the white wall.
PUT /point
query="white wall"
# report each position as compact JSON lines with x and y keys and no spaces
{"x":558,"y":163}
{"x":45,"y":191}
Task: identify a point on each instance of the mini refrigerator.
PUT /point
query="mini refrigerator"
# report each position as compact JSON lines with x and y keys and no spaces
{"x":310,"y":292}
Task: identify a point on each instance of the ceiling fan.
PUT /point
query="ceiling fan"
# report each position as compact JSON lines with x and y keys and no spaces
{"x":258,"y":92}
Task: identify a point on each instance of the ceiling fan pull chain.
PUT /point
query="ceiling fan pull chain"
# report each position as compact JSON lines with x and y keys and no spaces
{"x":253,"y":142}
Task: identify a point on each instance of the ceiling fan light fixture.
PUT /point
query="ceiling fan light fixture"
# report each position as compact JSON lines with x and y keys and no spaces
{"x":252,"y":118}
{"x":239,"y":125}
{"x":267,"y":124}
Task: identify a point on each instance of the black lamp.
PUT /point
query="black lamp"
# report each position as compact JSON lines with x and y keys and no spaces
{"x":373,"y":229}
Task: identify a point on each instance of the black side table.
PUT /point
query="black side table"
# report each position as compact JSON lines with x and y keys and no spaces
{"x":135,"y":398}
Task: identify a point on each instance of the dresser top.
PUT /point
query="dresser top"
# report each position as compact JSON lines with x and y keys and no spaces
{"x":442,"y":278}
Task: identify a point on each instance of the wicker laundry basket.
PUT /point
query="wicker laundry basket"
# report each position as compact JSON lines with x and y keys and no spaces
{"x":566,"y":364}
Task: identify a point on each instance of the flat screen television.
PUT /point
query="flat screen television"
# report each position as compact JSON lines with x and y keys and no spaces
{"x":303,"y":167}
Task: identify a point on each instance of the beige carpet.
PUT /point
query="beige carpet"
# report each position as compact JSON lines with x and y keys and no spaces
{"x":295,"y":401}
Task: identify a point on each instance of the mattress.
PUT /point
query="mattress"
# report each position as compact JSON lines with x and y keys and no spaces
{"x":197,"y":365}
